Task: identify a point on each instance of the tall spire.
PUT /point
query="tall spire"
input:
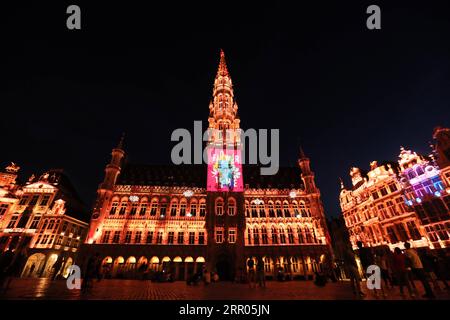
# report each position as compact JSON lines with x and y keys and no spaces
{"x":120,"y":144}
{"x":223,"y":107}
{"x":223,"y":70}
{"x":302,"y":153}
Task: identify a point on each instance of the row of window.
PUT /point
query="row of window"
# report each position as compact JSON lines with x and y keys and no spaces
{"x":275,"y":236}
{"x":434,"y":210}
{"x":439,"y":232}
{"x":158,"y":209}
{"x":151,"y":237}
{"x":394,"y":233}
{"x":49,"y":239}
{"x":285,"y":211}
{"x":32,"y":200}
{"x":221,"y":237}
{"x":387,"y":210}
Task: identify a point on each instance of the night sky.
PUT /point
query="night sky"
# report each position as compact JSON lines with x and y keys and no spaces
{"x":349,"y":95}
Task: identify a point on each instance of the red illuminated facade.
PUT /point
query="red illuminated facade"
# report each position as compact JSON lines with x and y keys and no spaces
{"x":404,"y":201}
{"x":178,"y":218}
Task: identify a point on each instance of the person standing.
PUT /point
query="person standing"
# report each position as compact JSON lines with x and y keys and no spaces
{"x":351,"y":269}
{"x":261,"y":273}
{"x":418,"y":271}
{"x":251,"y":272}
{"x":400,"y":272}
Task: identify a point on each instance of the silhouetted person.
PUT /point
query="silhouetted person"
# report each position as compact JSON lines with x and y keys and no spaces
{"x":400,"y":272}
{"x":366,"y":257}
{"x":351,"y":269}
{"x":6,"y":260}
{"x":260,"y":273}
{"x":417,"y":268}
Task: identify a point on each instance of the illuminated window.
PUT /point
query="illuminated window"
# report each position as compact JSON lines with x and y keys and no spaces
{"x":137,"y":237}
{"x":303,"y":210}
{"x":264,"y":237}
{"x":180,"y":239}
{"x":219,"y":207}
{"x":149,"y":238}
{"x":106,"y":235}
{"x":35,"y":222}
{"x":159,"y":238}
{"x":231,"y":235}
{"x":123,"y":208}
{"x":143,"y":209}
{"x":231,"y":207}
{"x":219,"y":235}
{"x":3,"y":208}
{"x":170,"y":237}
{"x":375,"y":195}
{"x":249,"y":236}
{"x":274,"y":236}
{"x":247,"y":210}
{"x":193,"y":209}
{"x":34,"y":200}
{"x":202,"y":209}
{"x":163,"y":209}
{"x":24,"y":200}
{"x":128,"y":237}
{"x":282,"y":236}
{"x":271,"y":210}
{"x":133,"y":209}
{"x":262,"y":211}
{"x":116,"y":237}
{"x":154,"y":208}
{"x":45,"y":239}
{"x":253,"y":210}
{"x":51,"y":224}
{"x":295,"y":208}
{"x":413,"y":231}
{"x":201,"y":238}
{"x":290,"y":235}
{"x":191,"y":237}
{"x":256,"y":236}
{"x":393,"y":187}
{"x":173,"y":208}
{"x":12,"y":222}
{"x":287,"y":214}
{"x":278,"y":208}
{"x":308,"y":235}
{"x":44,"y":200}
{"x":113,"y":208}
{"x":183,"y":209}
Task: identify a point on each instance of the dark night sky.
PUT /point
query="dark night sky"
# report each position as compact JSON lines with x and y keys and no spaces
{"x":350,"y":95}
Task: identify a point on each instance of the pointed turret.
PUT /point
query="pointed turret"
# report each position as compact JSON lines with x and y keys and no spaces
{"x":307,"y":175}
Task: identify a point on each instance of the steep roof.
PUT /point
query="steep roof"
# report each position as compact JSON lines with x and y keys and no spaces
{"x":195,"y":176}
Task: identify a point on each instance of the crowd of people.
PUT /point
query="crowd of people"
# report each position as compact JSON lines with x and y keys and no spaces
{"x":398,"y":268}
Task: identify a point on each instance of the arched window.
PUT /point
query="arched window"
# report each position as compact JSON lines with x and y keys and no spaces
{"x":278,"y":208}
{"x":154,"y":207}
{"x":114,"y":206}
{"x":193,"y":208}
{"x":303,"y":209}
{"x":282,"y":236}
{"x":183,"y":205}
{"x":254,"y":212}
{"x":290,"y":235}
{"x":256,"y":236}
{"x":308,"y":235}
{"x":123,"y":207}
{"x":262,"y":210}
{"x":219,"y":206}
{"x":249,"y":236}
{"x":173,"y":207}
{"x":271,"y":210}
{"x":301,"y":238}
{"x":143,"y":208}
{"x":163,"y":207}
{"x":247,"y":209}
{"x":287,"y":214}
{"x":274,"y":235}
{"x":231,"y":207}
{"x":295,"y":208}
{"x":295,"y":267}
{"x":264,"y":236}
{"x":202,"y":207}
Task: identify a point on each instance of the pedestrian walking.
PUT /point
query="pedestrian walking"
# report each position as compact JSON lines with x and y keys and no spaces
{"x":400,"y":272}
{"x":418,"y":270}
{"x":351,"y":268}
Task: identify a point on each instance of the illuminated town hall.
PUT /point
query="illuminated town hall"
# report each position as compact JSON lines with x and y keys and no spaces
{"x":180,"y":218}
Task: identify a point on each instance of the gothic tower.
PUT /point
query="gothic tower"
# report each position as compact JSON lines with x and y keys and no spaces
{"x":106,"y":190}
{"x":225,"y":220}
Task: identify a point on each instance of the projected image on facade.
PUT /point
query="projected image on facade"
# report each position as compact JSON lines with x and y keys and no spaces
{"x":224,"y":170}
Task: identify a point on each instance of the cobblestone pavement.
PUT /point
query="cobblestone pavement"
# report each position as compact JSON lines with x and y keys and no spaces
{"x":146,"y":290}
